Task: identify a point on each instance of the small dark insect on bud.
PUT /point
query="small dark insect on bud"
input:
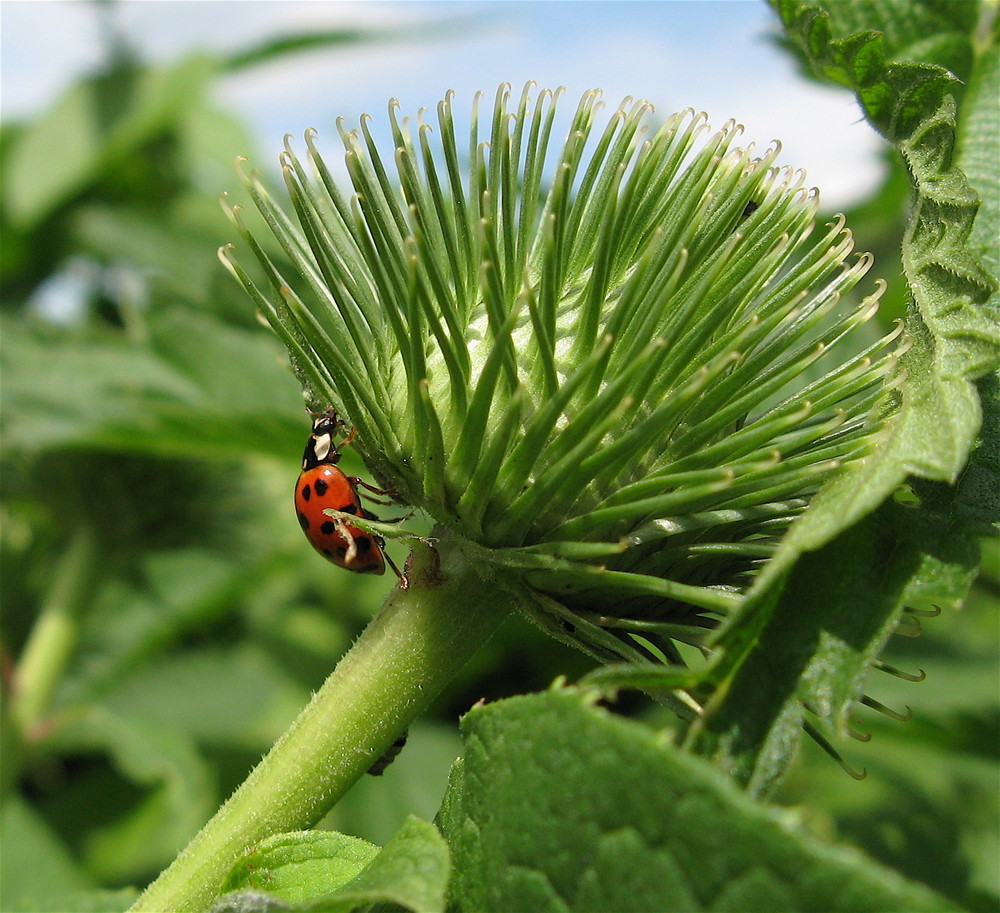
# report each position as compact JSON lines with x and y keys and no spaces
{"x":378,"y":768}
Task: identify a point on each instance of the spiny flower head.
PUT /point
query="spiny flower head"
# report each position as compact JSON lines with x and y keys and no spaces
{"x":603,"y":365}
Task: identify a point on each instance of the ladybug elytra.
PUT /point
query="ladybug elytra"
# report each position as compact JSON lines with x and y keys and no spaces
{"x":322,"y":484}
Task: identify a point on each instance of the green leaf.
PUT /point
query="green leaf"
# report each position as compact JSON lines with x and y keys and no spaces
{"x":955,"y":339}
{"x":412,"y":784}
{"x":560,"y":805}
{"x":978,"y":153}
{"x":178,"y":790}
{"x":326,"y":872}
{"x":37,"y":178}
{"x":411,"y":871}
{"x":73,"y":388}
{"x":302,"y":865}
{"x":238,"y":697}
{"x":821,"y":657}
{"x":303,"y":41}
{"x":151,"y":245}
{"x":934,"y":419}
{"x":931,"y":31}
{"x":37,"y":871}
{"x":182,"y":391}
{"x":183,"y":590}
{"x":975,"y":502}
{"x":91,"y":128}
{"x":929,"y":808}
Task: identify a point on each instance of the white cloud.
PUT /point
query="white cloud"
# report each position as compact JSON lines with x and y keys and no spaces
{"x":41,"y":46}
{"x":709,"y":55}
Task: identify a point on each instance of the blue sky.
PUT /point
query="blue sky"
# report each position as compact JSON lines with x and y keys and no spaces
{"x":712,"y":55}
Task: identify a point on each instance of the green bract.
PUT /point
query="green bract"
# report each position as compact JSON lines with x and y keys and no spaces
{"x":603,"y":365}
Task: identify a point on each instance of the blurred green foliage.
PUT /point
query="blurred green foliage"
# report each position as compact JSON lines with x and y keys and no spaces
{"x":155,"y":584}
{"x":150,"y":424}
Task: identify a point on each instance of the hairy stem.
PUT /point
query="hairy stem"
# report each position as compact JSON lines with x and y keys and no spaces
{"x":422,"y":636}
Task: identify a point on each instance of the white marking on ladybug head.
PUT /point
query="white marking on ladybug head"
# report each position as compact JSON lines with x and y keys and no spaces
{"x":322,"y":445}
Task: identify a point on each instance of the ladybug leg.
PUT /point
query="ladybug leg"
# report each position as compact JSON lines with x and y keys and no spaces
{"x":381,"y":501}
{"x":404,"y":582}
{"x":373,"y":489}
{"x":354,"y":480}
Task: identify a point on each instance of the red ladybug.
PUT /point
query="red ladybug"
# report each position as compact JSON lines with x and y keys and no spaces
{"x":322,"y":485}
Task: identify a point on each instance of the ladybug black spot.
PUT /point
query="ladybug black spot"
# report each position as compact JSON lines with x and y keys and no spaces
{"x":303,"y":521}
{"x":364,"y":544}
{"x":328,"y":553}
{"x":328,"y":527}
{"x":321,"y":488}
{"x":349,"y":509}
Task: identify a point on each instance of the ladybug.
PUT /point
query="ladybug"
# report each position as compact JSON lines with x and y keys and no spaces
{"x":322,"y":485}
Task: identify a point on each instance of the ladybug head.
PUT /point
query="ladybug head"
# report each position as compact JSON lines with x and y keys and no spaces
{"x":320,"y":447}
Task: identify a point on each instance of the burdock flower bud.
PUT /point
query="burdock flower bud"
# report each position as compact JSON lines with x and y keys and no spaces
{"x":612,"y":369}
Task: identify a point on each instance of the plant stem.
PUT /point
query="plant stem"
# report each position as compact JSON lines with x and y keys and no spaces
{"x":54,"y":635}
{"x":422,"y":636}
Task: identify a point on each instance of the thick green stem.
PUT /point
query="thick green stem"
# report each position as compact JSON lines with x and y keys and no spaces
{"x":420,"y":639}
